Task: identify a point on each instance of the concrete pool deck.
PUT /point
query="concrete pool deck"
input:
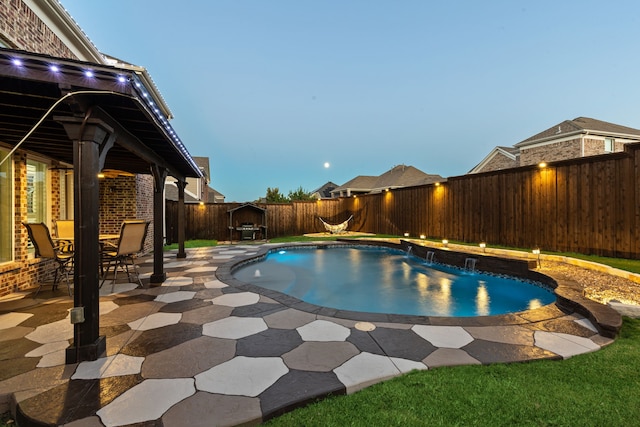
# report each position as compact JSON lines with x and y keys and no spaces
{"x":196,"y":351}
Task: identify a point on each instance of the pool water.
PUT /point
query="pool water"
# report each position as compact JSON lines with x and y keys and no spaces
{"x":382,"y":280}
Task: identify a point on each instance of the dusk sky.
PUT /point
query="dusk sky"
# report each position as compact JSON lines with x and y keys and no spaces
{"x":271,"y":90}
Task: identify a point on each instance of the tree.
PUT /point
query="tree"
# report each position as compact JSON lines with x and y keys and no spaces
{"x":300,"y":195}
{"x":274,"y":196}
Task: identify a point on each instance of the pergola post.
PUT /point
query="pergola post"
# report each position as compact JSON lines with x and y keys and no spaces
{"x":181,"y":252}
{"x":91,"y":140}
{"x":159,"y":177}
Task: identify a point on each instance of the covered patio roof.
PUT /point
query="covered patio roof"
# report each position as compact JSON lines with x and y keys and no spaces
{"x":37,"y":91}
{"x":94,"y":117}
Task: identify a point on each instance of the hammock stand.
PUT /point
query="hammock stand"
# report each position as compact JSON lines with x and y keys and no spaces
{"x":338,"y":228}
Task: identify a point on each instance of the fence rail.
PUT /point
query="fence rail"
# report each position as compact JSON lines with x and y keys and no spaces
{"x":589,"y":205}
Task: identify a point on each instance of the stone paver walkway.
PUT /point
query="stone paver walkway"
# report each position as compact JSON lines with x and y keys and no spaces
{"x":196,"y":351}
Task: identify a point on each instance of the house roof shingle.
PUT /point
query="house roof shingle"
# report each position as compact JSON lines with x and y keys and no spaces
{"x":580,"y":124}
{"x":396,"y":177}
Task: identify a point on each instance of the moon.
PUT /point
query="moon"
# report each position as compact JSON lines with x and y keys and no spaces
{"x":326,"y":165}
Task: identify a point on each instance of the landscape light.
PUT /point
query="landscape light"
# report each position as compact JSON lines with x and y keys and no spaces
{"x":483,"y":245}
{"x":422,"y":236}
{"x":536,"y":251}
{"x":445,"y":242}
{"x":406,"y":234}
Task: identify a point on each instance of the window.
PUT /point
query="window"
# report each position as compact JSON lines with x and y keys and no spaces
{"x":66,"y":193}
{"x":6,"y":208}
{"x":608,"y":145}
{"x":36,"y":191}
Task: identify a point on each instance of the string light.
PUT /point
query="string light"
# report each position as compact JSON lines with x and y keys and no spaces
{"x":122,"y":79}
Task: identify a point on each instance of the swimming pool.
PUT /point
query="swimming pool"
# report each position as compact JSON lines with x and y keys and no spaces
{"x":383,"y":280}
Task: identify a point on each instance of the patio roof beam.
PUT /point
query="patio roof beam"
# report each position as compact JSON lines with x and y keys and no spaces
{"x":128,"y":141}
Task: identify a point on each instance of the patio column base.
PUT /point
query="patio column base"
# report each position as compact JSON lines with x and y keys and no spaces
{"x":87,"y":352}
{"x":158,"y":277}
{"x":181,"y":255}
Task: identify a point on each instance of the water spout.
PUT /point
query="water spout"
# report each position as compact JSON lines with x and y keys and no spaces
{"x":257,"y":273}
{"x":409,"y":251}
{"x":429,"y":257}
{"x":470,"y":264}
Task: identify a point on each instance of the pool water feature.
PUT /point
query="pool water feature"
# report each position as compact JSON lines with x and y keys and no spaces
{"x":383,"y":280}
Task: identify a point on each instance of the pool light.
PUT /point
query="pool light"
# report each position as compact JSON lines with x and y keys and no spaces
{"x":282,"y":252}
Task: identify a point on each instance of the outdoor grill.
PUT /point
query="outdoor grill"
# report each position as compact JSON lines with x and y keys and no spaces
{"x":247,"y":231}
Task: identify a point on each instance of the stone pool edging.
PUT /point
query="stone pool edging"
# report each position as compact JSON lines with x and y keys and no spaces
{"x":569,"y":296}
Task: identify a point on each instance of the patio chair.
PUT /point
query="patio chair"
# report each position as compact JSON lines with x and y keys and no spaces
{"x":64,"y":229}
{"x":45,"y":248}
{"x":121,"y":255}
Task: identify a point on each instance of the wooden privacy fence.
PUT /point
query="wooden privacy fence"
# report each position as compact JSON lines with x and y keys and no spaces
{"x":589,"y":205}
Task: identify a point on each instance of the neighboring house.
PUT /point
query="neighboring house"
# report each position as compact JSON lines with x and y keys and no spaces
{"x":37,"y":182}
{"x":397,"y":177}
{"x":324,"y":192}
{"x":570,"y":139}
{"x":197,"y":189}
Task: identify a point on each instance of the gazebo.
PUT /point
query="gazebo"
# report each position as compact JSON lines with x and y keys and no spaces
{"x":249,"y":220}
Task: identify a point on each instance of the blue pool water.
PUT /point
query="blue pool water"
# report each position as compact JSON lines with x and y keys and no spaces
{"x":382,"y":280}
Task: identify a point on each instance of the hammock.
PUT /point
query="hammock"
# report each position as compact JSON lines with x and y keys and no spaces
{"x":338,"y":228}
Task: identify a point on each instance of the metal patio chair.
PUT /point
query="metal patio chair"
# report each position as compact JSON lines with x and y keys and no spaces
{"x":45,"y":248}
{"x":130,"y":242}
{"x":64,"y":230}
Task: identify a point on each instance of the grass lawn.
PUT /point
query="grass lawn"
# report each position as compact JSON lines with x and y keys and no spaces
{"x":192,"y":244}
{"x":594,"y":389}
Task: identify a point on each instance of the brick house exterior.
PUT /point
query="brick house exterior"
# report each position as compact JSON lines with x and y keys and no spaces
{"x":44,"y":27}
{"x":570,"y":139}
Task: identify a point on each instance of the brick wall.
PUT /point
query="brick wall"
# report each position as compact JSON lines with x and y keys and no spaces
{"x":551,"y":152}
{"x":123,"y":198}
{"x":500,"y":161}
{"x":22,"y":29}
{"x":144,"y":206}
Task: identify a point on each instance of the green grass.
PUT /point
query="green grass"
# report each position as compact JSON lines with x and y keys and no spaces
{"x":631,"y":265}
{"x":6,"y":420}
{"x":594,"y":389}
{"x":192,"y":244}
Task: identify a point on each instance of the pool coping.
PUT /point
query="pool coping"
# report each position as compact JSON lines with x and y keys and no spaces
{"x":569,"y":295}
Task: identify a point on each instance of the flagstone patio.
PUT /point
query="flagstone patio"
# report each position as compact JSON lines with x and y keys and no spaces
{"x":197,"y":351}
